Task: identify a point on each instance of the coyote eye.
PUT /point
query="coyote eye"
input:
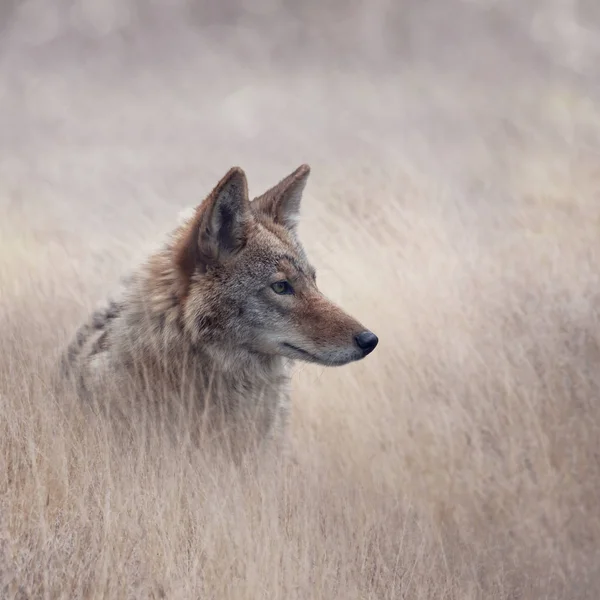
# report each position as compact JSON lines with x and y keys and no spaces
{"x":282,"y":287}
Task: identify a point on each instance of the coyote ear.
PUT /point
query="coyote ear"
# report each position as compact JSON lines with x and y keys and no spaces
{"x":219,"y":228}
{"x":282,"y":202}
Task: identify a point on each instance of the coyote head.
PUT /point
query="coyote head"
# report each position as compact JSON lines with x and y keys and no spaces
{"x":245,"y":281}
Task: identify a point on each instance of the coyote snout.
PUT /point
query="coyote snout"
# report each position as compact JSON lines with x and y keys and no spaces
{"x":321,"y":332}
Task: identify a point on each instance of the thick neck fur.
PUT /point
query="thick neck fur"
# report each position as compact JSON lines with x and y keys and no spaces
{"x":154,"y":329}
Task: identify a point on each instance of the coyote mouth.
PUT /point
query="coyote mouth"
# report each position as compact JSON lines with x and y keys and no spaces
{"x":300,"y":351}
{"x":328,"y":362}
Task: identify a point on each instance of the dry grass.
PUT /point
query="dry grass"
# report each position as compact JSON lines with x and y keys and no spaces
{"x":453,"y":207}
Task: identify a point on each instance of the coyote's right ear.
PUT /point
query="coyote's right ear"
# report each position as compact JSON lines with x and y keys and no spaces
{"x":282,"y":202}
{"x":220,"y":227}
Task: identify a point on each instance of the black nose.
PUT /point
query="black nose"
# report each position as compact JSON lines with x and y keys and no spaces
{"x":366,"y":341}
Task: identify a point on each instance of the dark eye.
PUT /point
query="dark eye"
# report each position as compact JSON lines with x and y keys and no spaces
{"x":282,"y":287}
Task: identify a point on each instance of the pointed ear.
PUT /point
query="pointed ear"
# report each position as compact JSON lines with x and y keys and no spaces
{"x":219,"y":228}
{"x":282,"y":202}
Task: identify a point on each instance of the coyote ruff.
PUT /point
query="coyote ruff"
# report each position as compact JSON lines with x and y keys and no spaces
{"x":222,"y":310}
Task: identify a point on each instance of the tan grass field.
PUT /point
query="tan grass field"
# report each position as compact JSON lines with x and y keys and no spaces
{"x":453,"y":207}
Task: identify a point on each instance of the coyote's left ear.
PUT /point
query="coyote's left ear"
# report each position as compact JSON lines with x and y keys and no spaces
{"x":282,"y":202}
{"x":219,"y":228}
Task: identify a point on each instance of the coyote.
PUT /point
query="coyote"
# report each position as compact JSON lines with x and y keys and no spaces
{"x":222,"y":310}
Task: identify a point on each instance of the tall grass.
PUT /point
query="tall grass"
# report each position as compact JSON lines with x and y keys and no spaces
{"x":452,"y":208}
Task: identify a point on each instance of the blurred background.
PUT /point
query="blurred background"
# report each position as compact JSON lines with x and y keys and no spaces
{"x":452,"y":206}
{"x":117,"y":113}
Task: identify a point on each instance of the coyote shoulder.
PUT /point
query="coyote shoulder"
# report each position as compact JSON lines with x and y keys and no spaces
{"x":221,"y":311}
